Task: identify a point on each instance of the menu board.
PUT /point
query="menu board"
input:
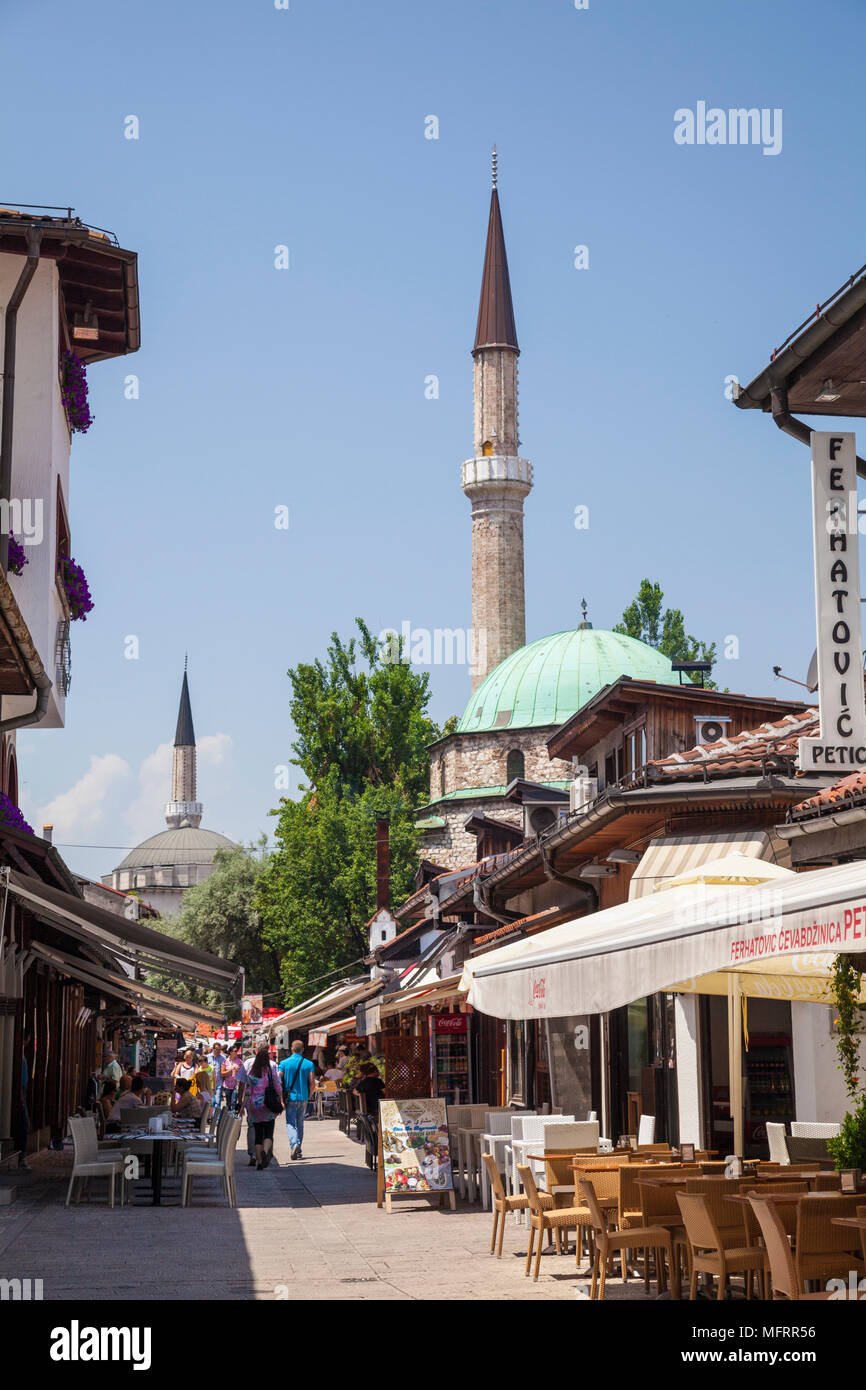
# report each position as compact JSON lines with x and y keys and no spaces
{"x":415,"y":1148}
{"x":251,"y":1010}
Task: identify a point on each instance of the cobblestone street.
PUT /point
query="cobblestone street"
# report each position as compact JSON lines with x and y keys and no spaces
{"x":308,"y":1230}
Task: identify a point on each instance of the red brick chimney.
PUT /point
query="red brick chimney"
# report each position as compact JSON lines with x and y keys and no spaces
{"x":383,"y":864}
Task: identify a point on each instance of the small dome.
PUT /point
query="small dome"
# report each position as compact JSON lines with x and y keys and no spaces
{"x":185,"y":846}
{"x":546,"y":682}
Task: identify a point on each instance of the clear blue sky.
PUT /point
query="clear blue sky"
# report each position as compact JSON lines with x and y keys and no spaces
{"x":305,"y":127}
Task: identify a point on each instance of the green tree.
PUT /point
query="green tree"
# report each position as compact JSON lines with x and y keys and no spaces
{"x":664,"y":629}
{"x":362,"y":737}
{"x":367,"y":722}
{"x":221,"y":915}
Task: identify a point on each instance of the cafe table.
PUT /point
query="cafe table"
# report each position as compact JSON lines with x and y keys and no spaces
{"x":152,"y":1143}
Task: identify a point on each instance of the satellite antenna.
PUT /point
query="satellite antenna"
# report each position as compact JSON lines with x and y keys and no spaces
{"x":812,"y":673}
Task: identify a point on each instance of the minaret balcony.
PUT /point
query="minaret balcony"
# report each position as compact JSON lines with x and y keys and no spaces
{"x":496,"y":468}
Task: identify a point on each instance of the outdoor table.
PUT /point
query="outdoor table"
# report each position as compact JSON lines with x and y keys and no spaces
{"x":144,"y":1137}
{"x":853,"y":1223}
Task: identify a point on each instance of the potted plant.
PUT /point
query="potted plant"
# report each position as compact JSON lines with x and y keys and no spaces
{"x":848,"y":1149}
{"x":17,"y":558}
{"x":73,"y":391}
{"x":10,"y":815}
{"x":75,"y":588}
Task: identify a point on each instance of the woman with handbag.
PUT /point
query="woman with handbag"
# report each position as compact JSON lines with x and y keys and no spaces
{"x":262,"y":1101}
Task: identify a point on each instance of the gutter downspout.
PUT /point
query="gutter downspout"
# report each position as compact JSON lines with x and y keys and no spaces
{"x":552,"y":873}
{"x":34,"y":238}
{"x":794,"y":427}
{"x":480,"y":905}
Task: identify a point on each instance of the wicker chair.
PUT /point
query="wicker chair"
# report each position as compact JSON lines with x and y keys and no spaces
{"x":502,"y":1203}
{"x":782,"y":1269}
{"x":728,"y":1216}
{"x":659,"y":1208}
{"x":786,"y":1212}
{"x":824,"y":1251}
{"x":605,"y":1242}
{"x":708,"y":1253}
{"x":543,"y":1218}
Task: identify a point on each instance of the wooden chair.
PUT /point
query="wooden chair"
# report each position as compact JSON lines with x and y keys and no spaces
{"x":782,"y":1269}
{"x":824,"y":1251}
{"x":543,"y":1218}
{"x":502,"y":1204}
{"x":605,"y":1242}
{"x":708,"y":1253}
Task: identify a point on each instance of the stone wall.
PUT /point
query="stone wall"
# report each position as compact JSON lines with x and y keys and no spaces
{"x":453,"y":847}
{"x":480,"y":760}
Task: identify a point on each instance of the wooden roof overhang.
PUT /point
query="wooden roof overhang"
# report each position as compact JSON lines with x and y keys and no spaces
{"x":92,"y":271}
{"x":626,"y":819}
{"x":617,"y":703}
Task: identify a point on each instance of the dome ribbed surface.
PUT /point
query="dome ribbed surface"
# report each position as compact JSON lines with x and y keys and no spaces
{"x":186,"y":846}
{"x":546,"y":682}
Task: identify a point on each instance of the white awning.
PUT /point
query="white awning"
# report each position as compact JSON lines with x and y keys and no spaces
{"x":673,"y":938}
{"x":325,"y":1006}
{"x":668,"y":856}
{"x":433,"y":992}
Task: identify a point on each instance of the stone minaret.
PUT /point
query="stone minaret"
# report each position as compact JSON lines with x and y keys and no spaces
{"x":496,"y":480}
{"x":183,"y":810}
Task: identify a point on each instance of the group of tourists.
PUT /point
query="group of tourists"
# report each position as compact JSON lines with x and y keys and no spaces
{"x":254,"y":1084}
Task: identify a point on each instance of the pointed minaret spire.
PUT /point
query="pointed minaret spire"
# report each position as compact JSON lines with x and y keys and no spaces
{"x":183,"y":811}
{"x":496,"y":480}
{"x":496,"y":327}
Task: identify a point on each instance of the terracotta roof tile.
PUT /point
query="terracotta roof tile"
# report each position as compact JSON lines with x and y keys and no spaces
{"x":769,"y":747}
{"x":850,"y":789}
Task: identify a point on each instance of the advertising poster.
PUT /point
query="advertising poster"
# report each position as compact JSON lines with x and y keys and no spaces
{"x":416,"y":1148}
{"x":251,"y":1010}
{"x":165,"y":1055}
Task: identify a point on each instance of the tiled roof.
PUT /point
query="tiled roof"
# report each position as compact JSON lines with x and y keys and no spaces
{"x":518,"y":927}
{"x":850,"y":790}
{"x":771,"y":747}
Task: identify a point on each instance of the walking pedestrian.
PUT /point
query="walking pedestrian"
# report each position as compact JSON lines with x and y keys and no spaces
{"x":297,"y":1077}
{"x":219,"y":1064}
{"x":230,"y":1076}
{"x":262,"y":1084}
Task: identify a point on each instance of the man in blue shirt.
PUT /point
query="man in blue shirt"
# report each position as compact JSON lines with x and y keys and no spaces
{"x":297,"y":1074}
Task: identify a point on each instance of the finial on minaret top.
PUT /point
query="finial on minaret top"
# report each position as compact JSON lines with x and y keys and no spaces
{"x":585,"y":623}
{"x":493,"y":160}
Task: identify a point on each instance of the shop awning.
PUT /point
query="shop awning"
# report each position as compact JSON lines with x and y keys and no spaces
{"x":667,"y":857}
{"x":153,"y":1002}
{"x":673,"y":938}
{"x":326,"y":1006}
{"x":126,"y":939}
{"x":421,"y":995}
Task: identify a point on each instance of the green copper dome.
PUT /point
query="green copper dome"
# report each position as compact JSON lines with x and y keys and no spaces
{"x":549,"y":680}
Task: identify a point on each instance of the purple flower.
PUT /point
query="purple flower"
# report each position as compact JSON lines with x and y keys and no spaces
{"x":73,"y":390}
{"x":10,"y":815}
{"x":17,"y":557}
{"x":75,"y":587}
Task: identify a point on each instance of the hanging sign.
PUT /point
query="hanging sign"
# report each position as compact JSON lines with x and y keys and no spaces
{"x":317,"y":1039}
{"x":251,"y":1010}
{"x":841,"y":746}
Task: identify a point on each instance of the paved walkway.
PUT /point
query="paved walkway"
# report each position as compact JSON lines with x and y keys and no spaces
{"x":308,"y":1229}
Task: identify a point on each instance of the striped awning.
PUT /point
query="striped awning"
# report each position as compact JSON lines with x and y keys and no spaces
{"x":670,"y":856}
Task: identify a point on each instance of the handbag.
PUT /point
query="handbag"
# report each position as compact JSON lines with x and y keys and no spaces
{"x":272,"y":1098}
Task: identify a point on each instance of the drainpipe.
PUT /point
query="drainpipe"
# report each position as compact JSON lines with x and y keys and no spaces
{"x":20,"y":721}
{"x":797,"y":430}
{"x":551,"y":872}
{"x":34,"y":237}
{"x":481,"y":905}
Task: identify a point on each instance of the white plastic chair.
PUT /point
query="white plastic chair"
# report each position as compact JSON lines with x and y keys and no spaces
{"x":778,"y":1146}
{"x":813,"y":1129}
{"x":533,"y":1136}
{"x":580,"y":1134}
{"x":592,"y":1114}
{"x":499,"y":1130}
{"x":91,"y":1162}
{"x":646,"y":1130}
{"x":222,"y":1166}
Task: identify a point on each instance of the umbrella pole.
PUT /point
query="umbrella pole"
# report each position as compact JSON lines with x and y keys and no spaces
{"x":735,"y":1058}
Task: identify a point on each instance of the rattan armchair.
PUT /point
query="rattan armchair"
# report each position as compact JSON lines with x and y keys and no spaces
{"x":782,"y":1269}
{"x":824,"y":1251}
{"x":708,"y":1253}
{"x":502,"y":1203}
{"x":605,"y":1241}
{"x":543,"y":1218}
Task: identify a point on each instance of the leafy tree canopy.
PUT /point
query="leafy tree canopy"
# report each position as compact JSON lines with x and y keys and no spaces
{"x":665,"y":630}
{"x":221,"y":915}
{"x":362,"y":737}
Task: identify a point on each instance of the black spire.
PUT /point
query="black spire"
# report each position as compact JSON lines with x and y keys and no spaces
{"x":185,"y":735}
